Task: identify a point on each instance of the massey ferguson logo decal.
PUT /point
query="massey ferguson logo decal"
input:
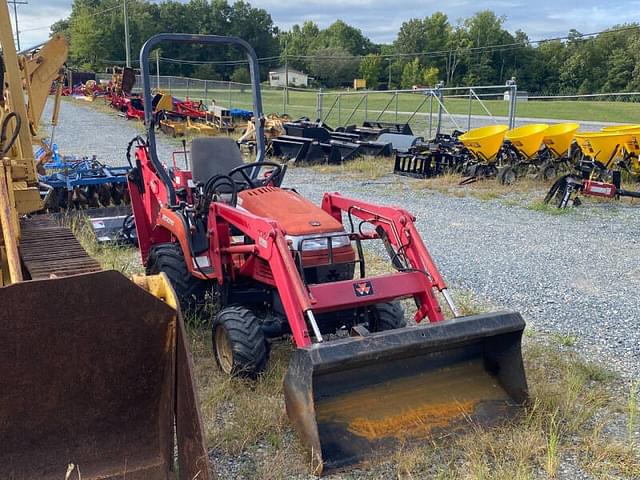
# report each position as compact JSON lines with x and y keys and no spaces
{"x":363,"y":289}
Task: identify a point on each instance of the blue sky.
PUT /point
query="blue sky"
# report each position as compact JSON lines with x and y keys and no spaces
{"x":381,"y":19}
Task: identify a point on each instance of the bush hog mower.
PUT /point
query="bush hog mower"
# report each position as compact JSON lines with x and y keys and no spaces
{"x":278,"y":265}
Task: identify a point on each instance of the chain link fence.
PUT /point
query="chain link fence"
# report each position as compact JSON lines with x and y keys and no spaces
{"x":427,"y":110}
{"x":296,"y":102}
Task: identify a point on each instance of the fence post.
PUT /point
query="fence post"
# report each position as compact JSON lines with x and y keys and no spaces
{"x":513,"y":99}
{"x":206,"y":92}
{"x":319,"y":104}
{"x":397,"y":94}
{"x":170,"y":92}
{"x":284,"y":101}
{"x":441,"y":101}
{"x":366,"y":107}
{"x":188,"y":87}
{"x":430,"y":113}
{"x":469,"y":115}
{"x":229,"y":91}
{"x":339,"y":110}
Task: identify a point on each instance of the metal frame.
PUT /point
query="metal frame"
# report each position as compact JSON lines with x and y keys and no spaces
{"x":437,"y":93}
{"x":146,"y":86}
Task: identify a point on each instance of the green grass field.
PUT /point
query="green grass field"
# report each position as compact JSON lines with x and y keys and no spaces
{"x":303,"y":103}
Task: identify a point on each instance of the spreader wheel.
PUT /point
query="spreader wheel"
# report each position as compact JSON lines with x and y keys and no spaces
{"x":239,"y":345}
{"x":387,"y":316}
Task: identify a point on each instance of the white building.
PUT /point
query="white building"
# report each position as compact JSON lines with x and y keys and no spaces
{"x":296,"y":78}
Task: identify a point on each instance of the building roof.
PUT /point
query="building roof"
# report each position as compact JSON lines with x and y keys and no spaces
{"x":291,"y":70}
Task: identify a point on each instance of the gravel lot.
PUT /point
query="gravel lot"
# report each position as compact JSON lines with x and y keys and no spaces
{"x":573,"y":274}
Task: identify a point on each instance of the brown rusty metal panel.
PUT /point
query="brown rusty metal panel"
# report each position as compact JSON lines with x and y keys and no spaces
{"x":193,"y":459}
{"x":87,"y":379}
{"x":48,"y":249}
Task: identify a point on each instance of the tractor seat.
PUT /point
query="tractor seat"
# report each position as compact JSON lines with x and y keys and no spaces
{"x":211,"y":156}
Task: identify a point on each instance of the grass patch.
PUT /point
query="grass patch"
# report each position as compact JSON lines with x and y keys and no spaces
{"x":486,"y":189}
{"x":110,"y":256}
{"x":549,"y":209}
{"x":565,"y":340}
{"x":363,"y":168}
{"x":304,"y":103}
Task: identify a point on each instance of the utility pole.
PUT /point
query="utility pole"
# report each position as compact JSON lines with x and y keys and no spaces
{"x":126,"y":35}
{"x":389,"y":81}
{"x":286,"y":73}
{"x":15,"y":17}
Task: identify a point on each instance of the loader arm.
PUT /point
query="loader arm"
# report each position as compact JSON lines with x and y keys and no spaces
{"x":270,"y":245}
{"x":398,"y":226}
{"x":300,"y":301}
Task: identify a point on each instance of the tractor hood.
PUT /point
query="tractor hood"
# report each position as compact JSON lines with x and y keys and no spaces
{"x":296,"y":214}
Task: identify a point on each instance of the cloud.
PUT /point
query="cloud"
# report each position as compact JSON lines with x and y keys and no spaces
{"x":381,"y":19}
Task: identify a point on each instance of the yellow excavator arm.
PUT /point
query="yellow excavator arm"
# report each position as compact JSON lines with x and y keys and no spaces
{"x":39,"y":70}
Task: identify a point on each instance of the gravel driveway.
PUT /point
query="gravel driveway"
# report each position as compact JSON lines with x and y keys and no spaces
{"x":573,"y":274}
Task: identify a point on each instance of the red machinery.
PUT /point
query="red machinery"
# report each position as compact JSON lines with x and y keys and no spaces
{"x":275,"y":264}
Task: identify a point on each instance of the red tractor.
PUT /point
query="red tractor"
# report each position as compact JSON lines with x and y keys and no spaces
{"x":275,"y":264}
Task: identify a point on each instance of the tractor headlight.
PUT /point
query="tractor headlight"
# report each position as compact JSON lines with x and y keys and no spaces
{"x":322,"y":243}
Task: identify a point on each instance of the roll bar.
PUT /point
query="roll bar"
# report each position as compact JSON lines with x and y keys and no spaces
{"x":148,"y":109}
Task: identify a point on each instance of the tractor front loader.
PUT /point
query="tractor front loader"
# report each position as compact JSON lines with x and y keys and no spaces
{"x":361,"y":382}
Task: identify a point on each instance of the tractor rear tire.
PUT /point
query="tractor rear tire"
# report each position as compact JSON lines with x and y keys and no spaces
{"x":169,"y":259}
{"x":387,"y":316}
{"x":239,"y":344}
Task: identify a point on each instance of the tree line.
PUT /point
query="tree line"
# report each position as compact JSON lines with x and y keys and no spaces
{"x":473,"y":51}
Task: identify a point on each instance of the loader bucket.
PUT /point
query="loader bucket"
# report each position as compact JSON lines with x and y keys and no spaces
{"x":528,"y":138}
{"x":484,"y":142}
{"x":558,"y":138}
{"x":603,"y":146}
{"x":355,"y":398}
{"x":93,"y":369}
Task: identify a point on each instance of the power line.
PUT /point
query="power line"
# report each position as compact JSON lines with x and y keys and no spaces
{"x":15,"y":4}
{"x":95,"y":14}
{"x":501,"y":47}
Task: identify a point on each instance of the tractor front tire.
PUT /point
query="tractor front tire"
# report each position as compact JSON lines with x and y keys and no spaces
{"x":387,"y":316}
{"x":239,"y":344}
{"x":168,"y":258}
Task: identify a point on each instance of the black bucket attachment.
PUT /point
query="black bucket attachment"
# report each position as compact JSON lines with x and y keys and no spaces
{"x":360,"y":397}
{"x":95,"y":372}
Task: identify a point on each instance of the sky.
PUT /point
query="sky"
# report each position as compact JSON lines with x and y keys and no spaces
{"x":380,"y":20}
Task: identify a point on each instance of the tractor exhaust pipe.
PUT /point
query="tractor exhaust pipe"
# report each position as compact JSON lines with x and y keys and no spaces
{"x":357,"y":397}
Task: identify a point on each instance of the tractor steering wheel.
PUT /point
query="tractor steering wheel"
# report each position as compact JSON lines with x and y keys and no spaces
{"x":272,"y":176}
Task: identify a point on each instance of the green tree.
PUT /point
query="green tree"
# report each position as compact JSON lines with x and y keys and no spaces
{"x":343,"y":36}
{"x":241,"y":75}
{"x":411,"y":74}
{"x":295,"y":44}
{"x":334,"y":66}
{"x":430,"y":76}
{"x":371,"y":70}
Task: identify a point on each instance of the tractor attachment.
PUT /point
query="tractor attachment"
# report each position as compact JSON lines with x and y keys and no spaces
{"x":363,"y":396}
{"x":279,"y":265}
{"x":84,"y":382}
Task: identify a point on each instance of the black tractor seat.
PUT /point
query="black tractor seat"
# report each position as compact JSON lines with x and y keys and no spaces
{"x":211,"y":156}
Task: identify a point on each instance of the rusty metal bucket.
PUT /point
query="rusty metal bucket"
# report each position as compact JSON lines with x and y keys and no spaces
{"x":95,"y":371}
{"x":360,"y":397}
